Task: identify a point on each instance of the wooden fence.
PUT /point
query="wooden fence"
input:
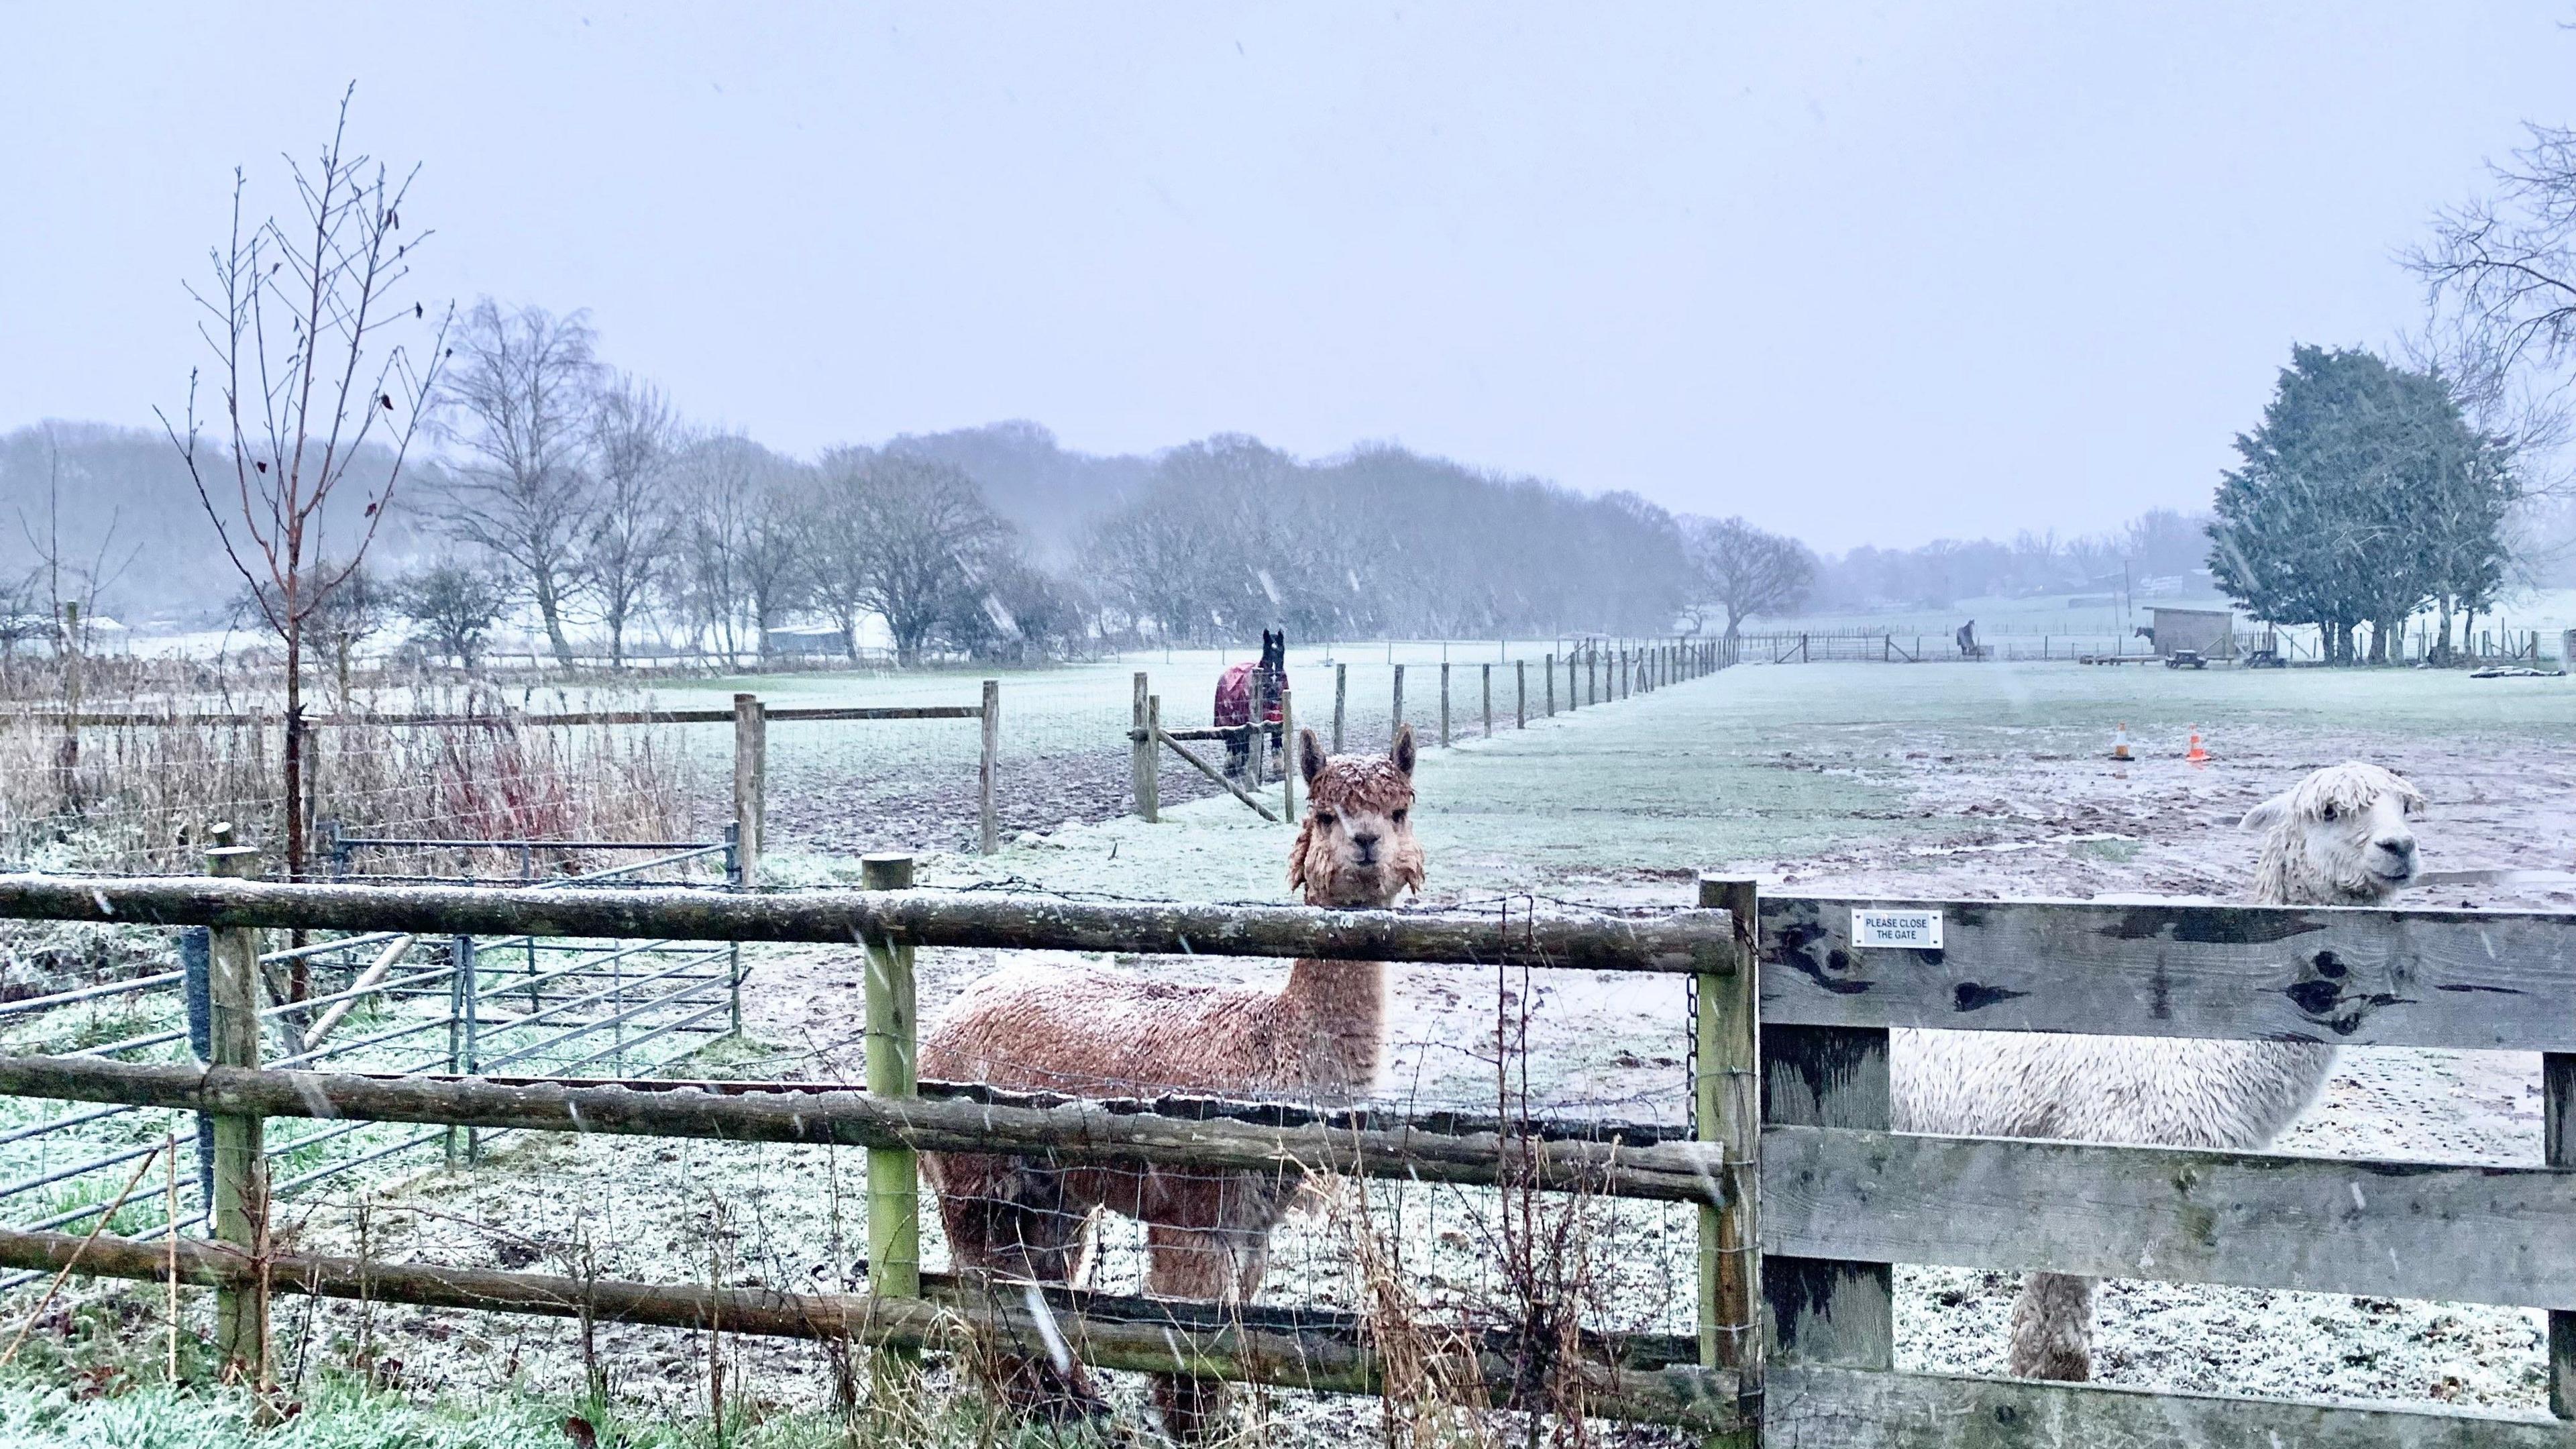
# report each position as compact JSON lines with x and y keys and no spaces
{"x":1594,"y":672}
{"x":1807,"y":1197}
{"x":749,"y":716}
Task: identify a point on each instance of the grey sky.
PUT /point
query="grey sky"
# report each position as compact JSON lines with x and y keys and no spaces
{"x":1870,"y":274}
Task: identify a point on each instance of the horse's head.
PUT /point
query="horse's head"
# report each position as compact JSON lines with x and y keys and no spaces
{"x":1274,"y":649}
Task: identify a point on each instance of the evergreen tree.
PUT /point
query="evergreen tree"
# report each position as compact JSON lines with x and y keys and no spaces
{"x":2364,"y":496}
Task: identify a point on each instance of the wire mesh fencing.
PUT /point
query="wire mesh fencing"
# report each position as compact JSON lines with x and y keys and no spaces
{"x":1504,"y":1062}
{"x":380,"y":1003}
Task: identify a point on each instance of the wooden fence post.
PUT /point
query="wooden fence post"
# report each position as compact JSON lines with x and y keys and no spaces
{"x":2558,"y":1149}
{"x":1520,"y":694}
{"x":1289,"y":764}
{"x":750,"y":773}
{"x":463,"y":1009}
{"x":1444,"y":704}
{"x":894,"y":1173}
{"x":989,"y":825}
{"x":241,"y":1163}
{"x":1489,"y":701}
{"x":1140,"y":763}
{"x":1727,"y":1107}
{"x":1399,"y":704}
{"x":1341,"y":700}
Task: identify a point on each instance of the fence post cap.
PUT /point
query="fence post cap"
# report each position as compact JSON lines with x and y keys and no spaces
{"x":886,"y":870}
{"x":233,"y":860}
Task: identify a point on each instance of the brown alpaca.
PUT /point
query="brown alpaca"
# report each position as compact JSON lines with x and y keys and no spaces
{"x":1089,"y":1032}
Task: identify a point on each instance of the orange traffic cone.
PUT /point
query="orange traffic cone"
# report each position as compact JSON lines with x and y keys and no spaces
{"x":2196,"y":755}
{"x":2120,"y":742}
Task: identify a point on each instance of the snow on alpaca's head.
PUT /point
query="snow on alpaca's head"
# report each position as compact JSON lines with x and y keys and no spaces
{"x":2340,"y":836}
{"x":1356,"y":846}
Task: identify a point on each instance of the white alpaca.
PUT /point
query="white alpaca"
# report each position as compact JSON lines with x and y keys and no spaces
{"x":2337,"y":838}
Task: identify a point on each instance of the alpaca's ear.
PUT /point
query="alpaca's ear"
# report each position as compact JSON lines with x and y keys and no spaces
{"x":1310,"y":757}
{"x":1402,"y":754}
{"x":2268,"y":814}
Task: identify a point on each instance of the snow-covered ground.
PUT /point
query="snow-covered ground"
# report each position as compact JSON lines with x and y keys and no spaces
{"x":1959,"y":780}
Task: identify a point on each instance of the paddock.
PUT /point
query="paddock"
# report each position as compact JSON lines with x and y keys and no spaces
{"x":1815,"y":781}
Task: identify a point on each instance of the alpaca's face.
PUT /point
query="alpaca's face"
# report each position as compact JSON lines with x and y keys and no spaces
{"x":1356,"y":848}
{"x":2351,"y":822}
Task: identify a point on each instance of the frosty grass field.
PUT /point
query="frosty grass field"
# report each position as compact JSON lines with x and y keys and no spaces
{"x":1932,"y":780}
{"x":1929,"y":780}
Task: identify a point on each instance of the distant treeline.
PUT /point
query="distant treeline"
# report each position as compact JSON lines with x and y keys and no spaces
{"x":1227,"y":534}
{"x":2162,"y":543}
{"x":990,"y":541}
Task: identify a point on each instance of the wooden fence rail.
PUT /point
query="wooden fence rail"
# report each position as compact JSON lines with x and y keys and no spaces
{"x":496,"y":719}
{"x":1075,"y":1130}
{"x":1640,"y":1379}
{"x":1806,"y":1211}
{"x":1608,"y":670}
{"x":2343,"y":975}
{"x":1687,"y":942}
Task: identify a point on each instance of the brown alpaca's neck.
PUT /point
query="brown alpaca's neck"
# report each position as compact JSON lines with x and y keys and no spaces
{"x":1337,"y":1012}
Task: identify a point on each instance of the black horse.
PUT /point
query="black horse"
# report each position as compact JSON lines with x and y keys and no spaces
{"x":1248,"y":692}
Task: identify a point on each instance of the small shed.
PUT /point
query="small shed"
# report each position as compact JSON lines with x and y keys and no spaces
{"x":2211,"y":633}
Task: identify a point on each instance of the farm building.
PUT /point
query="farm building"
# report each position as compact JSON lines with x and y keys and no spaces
{"x":2209,"y":632}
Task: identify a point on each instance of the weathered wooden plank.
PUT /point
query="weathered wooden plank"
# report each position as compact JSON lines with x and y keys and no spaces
{"x":2265,"y":1220}
{"x":88,"y":720}
{"x":1825,"y":1311}
{"x":881,"y":712}
{"x":893,"y":1053}
{"x":1726,"y":1103}
{"x":2360,"y":977}
{"x":1250,"y":1345}
{"x":1815,"y":1406}
{"x":240,"y":1178}
{"x":1213,"y":773}
{"x":2558,"y":1149}
{"x":1684,"y":942}
{"x":1074,"y":1130}
{"x":1140,"y":758}
{"x":1204,"y":732}
{"x":988,"y":770}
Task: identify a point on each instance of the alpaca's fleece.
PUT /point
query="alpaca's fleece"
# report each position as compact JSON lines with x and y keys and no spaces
{"x":2337,"y":838}
{"x":1319,"y":1038}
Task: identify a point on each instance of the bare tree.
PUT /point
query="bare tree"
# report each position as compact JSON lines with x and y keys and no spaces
{"x":629,"y":546}
{"x":714,"y":497}
{"x":775,"y":580}
{"x":519,"y":403}
{"x":915,"y":535}
{"x":740,"y":539}
{"x":70,"y":589}
{"x":1746,"y":571}
{"x":2508,"y":261}
{"x":832,"y":541}
{"x":303,"y":318}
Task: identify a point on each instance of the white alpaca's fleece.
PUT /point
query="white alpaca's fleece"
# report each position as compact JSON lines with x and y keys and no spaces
{"x":2337,"y":838}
